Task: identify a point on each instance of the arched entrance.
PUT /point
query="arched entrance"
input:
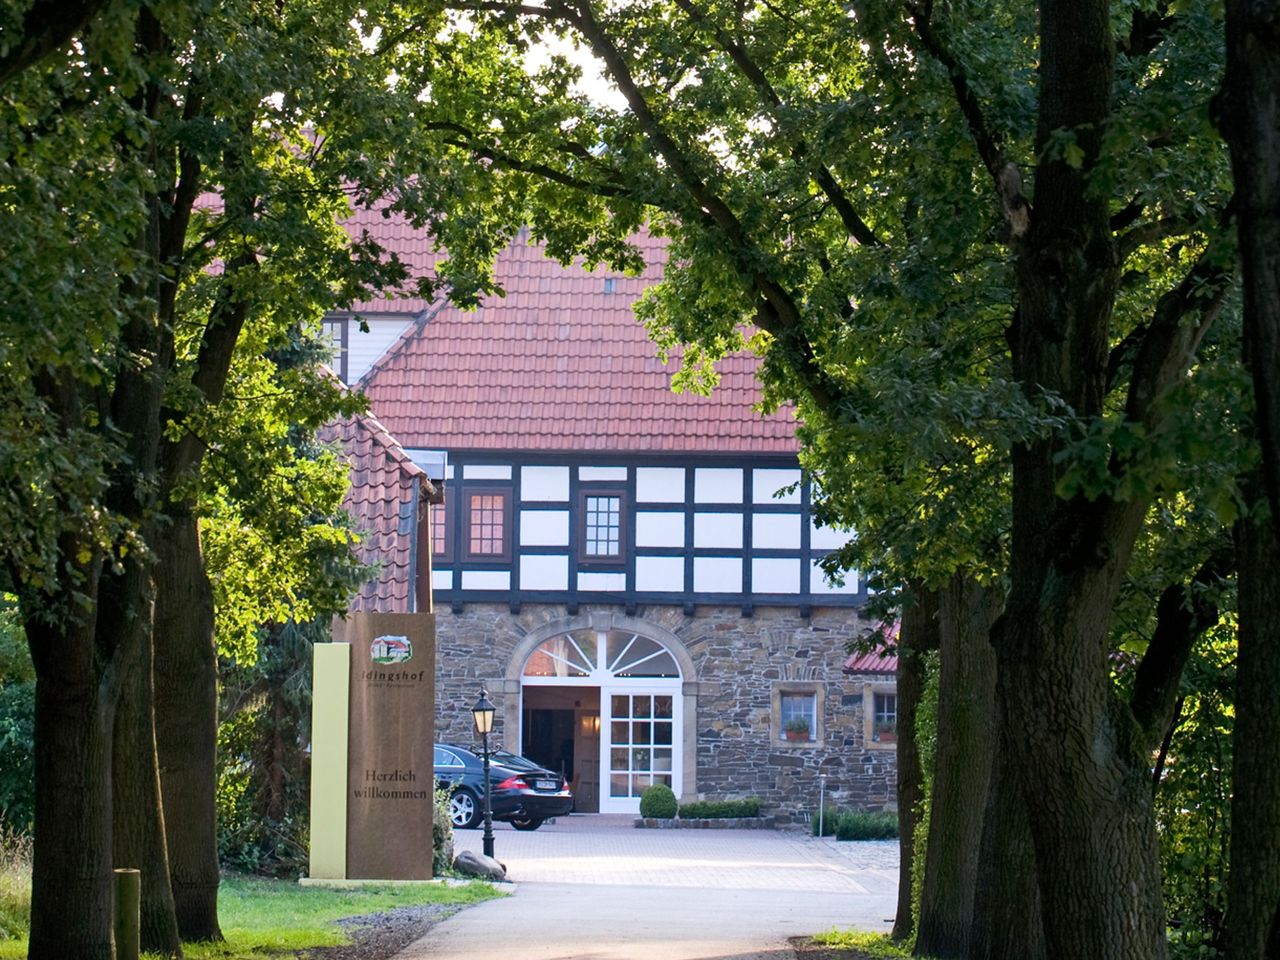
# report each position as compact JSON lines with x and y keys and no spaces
{"x":603,"y":701}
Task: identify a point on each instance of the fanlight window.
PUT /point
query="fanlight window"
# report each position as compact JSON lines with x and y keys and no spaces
{"x":568,"y":655}
{"x":631,"y":655}
{"x":583,"y":653}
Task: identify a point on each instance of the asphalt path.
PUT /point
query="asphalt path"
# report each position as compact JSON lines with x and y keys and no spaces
{"x":596,"y":888}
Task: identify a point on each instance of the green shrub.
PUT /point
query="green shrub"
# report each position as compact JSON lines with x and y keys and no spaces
{"x":827,"y":822}
{"x":17,"y":757}
{"x":441,"y":833}
{"x":658,"y":802}
{"x":720,"y":809}
{"x":867,"y":825}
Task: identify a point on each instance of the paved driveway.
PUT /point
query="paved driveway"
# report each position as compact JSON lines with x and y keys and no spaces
{"x":592,"y":887}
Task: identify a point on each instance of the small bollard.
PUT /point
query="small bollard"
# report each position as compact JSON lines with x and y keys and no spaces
{"x":128,"y":906}
{"x":822,"y":805}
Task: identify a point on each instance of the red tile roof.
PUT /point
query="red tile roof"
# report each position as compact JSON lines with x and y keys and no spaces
{"x":380,"y":502}
{"x":877,"y":661}
{"x":558,"y":364}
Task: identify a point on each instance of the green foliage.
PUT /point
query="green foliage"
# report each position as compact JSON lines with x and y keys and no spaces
{"x":927,"y":745}
{"x":659,"y":802}
{"x":441,"y":832}
{"x":17,"y":759}
{"x":263,"y":771}
{"x":856,"y":824}
{"x":796,"y":725}
{"x":869,"y":944}
{"x":720,"y":809}
{"x":1193,"y":799}
{"x":15,"y":882}
{"x":17,"y":723}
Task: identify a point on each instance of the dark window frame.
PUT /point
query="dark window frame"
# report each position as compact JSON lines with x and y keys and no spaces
{"x":340,"y":359}
{"x":446,"y":552}
{"x":592,"y":561}
{"x":474,"y":490}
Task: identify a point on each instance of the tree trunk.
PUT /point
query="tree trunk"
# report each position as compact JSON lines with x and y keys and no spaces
{"x":1250,"y":121}
{"x":71,"y":892}
{"x":138,"y":837}
{"x":1253,"y":894}
{"x":1085,"y":776}
{"x":918,"y":635}
{"x":962,"y":764}
{"x":187,"y":725}
{"x":1006,"y":904}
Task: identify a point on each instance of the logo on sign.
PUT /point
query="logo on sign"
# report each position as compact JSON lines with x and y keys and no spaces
{"x":391,"y":650}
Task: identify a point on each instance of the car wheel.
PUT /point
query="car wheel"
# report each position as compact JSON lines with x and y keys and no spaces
{"x":526,"y":823}
{"x":464,"y":811}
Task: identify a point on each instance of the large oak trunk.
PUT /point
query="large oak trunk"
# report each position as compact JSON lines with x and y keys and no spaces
{"x":139,"y":823}
{"x":1085,"y":776}
{"x":962,"y":763}
{"x":1253,"y":894}
{"x":71,"y":877}
{"x":1250,"y":120}
{"x":1006,"y":902}
{"x":187,"y":725}
{"x":919,"y":634}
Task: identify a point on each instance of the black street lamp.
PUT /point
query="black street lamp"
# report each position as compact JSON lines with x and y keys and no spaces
{"x":483,"y":711}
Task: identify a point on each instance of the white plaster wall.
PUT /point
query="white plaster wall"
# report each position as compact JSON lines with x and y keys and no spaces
{"x":655,"y":529}
{"x":660,"y":484}
{"x":660,"y":574}
{"x":818,"y":581}
{"x":544,"y":484}
{"x":775,"y":575}
{"x":441,"y":579}
{"x":717,"y":574}
{"x":765,"y":482}
{"x":544,"y":573}
{"x":775,"y":531}
{"x":617,"y":474}
{"x":718,"y":530}
{"x":827,"y":538}
{"x":717,"y":485}
{"x":486,"y":471}
{"x":602,"y":581}
{"x":544,"y":528}
{"x":486,"y":579}
{"x":364,"y":349}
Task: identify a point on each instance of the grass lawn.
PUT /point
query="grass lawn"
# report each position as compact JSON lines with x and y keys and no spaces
{"x":262,"y":918}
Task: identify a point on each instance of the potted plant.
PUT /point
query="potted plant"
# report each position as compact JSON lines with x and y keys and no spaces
{"x":797,"y":728}
{"x":886,"y":731}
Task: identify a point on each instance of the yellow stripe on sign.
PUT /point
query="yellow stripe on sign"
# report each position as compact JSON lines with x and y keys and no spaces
{"x":330,"y":708}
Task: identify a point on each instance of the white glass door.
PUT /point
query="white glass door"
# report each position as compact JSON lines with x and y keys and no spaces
{"x":642,"y":745}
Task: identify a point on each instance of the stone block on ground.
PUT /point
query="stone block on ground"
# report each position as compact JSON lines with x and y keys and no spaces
{"x":472,"y":864}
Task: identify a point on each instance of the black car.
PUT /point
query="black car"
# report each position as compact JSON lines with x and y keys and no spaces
{"x":524,"y":794}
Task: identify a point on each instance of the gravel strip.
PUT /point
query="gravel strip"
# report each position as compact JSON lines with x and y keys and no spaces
{"x":378,"y":936}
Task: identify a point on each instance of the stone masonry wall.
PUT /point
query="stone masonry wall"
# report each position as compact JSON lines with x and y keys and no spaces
{"x":742,"y":665}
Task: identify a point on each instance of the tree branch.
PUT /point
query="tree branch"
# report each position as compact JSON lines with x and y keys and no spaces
{"x":988,"y":143}
{"x":1168,"y":342}
{"x":47,"y":28}
{"x":1183,"y":612}
{"x":1141,"y":235}
{"x":853,"y":223}
{"x":777,"y":312}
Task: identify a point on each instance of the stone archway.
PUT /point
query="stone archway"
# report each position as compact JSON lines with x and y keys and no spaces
{"x":632,"y":686}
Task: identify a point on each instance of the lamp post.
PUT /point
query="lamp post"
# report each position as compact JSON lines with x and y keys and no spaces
{"x":483,"y":711}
